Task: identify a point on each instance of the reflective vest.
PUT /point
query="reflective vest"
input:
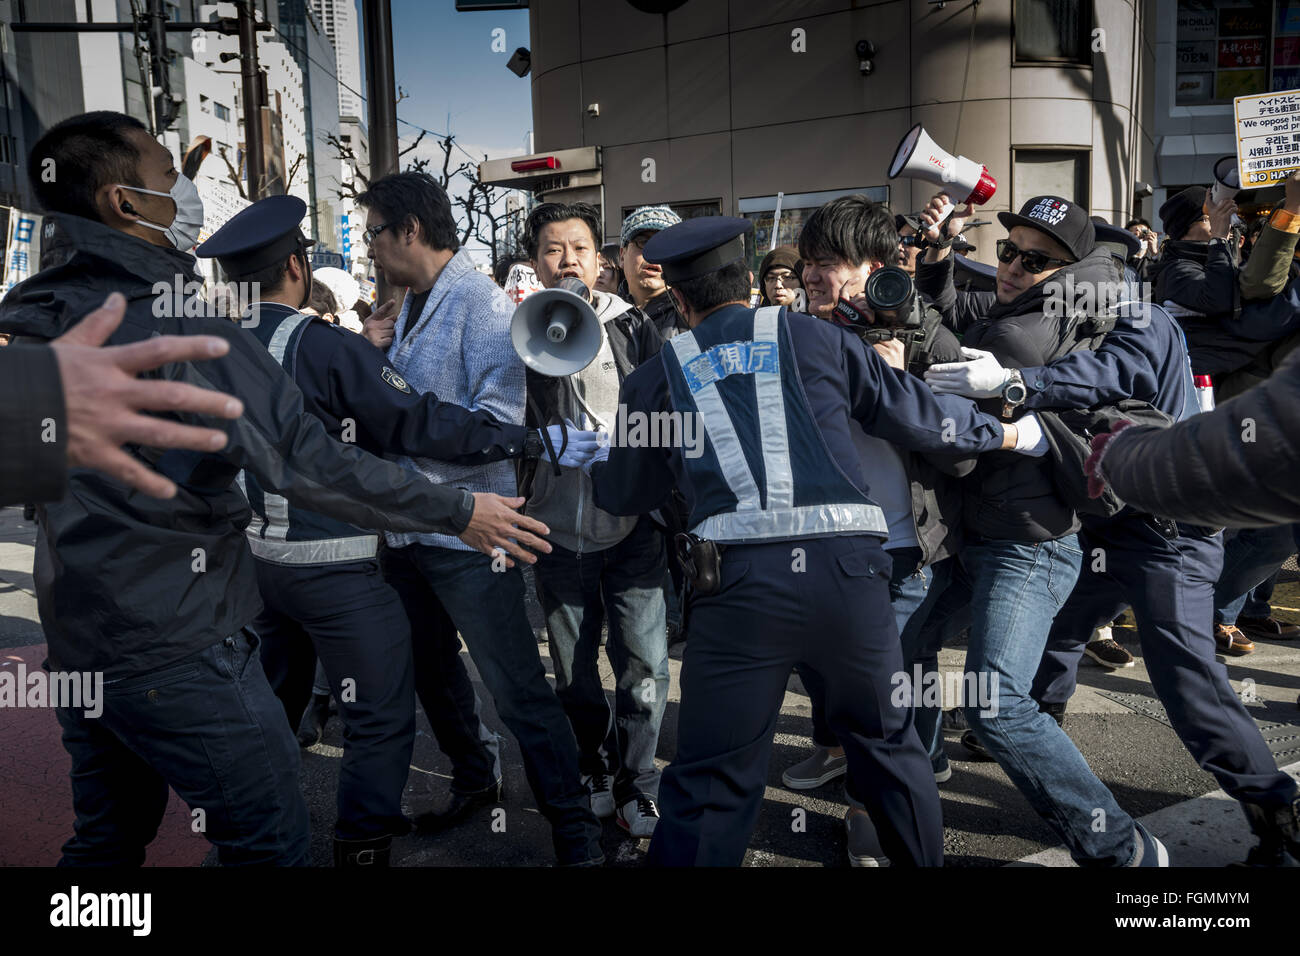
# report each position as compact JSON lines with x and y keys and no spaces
{"x":766,"y":473}
{"x":280,"y":532}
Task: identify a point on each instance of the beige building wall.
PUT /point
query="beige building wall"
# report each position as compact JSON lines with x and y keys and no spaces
{"x":716,"y":94}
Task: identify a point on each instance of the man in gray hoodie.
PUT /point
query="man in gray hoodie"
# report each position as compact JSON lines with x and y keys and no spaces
{"x":601,"y":564}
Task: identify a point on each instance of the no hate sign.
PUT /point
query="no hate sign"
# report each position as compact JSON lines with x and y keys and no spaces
{"x":1268,"y":137}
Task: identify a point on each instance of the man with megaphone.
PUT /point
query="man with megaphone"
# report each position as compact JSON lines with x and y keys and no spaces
{"x":601,"y":565}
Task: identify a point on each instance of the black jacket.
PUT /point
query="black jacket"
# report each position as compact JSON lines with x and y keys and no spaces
{"x":667,"y":320}
{"x":1202,"y":277}
{"x":1235,"y":466}
{"x":1011,"y":496}
{"x":127,"y":583}
{"x":32,"y":468}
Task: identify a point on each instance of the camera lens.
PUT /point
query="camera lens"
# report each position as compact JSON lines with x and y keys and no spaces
{"x":888,"y":289}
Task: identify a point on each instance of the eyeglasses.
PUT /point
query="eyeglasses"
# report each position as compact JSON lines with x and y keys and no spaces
{"x":788,"y":279}
{"x":368,"y":237}
{"x":1031,"y":261}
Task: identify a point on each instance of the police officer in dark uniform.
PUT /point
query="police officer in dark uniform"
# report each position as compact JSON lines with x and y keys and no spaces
{"x":785,"y":557}
{"x":1164,"y":570}
{"x":321,"y":585}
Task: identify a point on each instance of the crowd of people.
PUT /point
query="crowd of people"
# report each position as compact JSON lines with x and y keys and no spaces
{"x":874,"y":481}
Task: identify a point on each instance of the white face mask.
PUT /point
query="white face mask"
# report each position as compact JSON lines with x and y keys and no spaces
{"x":183,"y":233}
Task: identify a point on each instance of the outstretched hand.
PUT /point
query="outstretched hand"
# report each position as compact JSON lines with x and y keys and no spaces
{"x":497,"y":526}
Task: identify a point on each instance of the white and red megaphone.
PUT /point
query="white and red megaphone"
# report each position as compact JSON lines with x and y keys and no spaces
{"x":918,"y":157}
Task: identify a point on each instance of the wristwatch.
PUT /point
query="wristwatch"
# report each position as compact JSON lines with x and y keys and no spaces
{"x":1014,"y":393}
{"x":534,"y":447}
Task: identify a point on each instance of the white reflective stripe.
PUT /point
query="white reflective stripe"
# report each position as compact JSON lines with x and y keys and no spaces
{"x":717,"y":425}
{"x":325,"y":551}
{"x":771,"y":415}
{"x":280,"y":341}
{"x":787,"y":523}
{"x":277,"y":508}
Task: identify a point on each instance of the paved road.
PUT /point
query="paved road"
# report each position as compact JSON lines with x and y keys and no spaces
{"x":1113,"y":719}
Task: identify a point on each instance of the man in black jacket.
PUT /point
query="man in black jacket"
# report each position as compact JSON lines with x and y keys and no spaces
{"x":76,"y":402}
{"x":157,"y":595}
{"x":1023,"y":554}
{"x":603,"y":566}
{"x":841,"y":244}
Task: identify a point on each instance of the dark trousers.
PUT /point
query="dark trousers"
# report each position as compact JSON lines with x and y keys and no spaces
{"x":346,"y":615}
{"x":624,"y":585}
{"x":744,"y":641}
{"x":487,"y":607}
{"x":209,"y":728}
{"x":1169,"y":582}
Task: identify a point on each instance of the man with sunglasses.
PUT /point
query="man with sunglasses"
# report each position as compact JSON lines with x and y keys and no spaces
{"x":1022,"y":554}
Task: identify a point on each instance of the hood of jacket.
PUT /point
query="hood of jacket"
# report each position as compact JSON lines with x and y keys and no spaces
{"x":82,"y":261}
{"x":1096,"y":267}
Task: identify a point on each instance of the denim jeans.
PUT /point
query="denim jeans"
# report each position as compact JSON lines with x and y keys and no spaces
{"x":1251,"y":557}
{"x":209,"y":728}
{"x":623,"y":584}
{"x":913,"y":591}
{"x":1017,"y":588}
{"x":487,"y":607}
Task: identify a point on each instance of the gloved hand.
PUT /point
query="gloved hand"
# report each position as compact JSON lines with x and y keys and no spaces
{"x":581,"y":444}
{"x":1030,"y":439}
{"x":981,"y":377}
{"x":601,"y":454}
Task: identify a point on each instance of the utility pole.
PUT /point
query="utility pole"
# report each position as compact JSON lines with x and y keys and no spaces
{"x":156,"y":26}
{"x":381,"y":99}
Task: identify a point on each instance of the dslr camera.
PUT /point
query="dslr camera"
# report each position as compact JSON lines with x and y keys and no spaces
{"x":898,"y":312}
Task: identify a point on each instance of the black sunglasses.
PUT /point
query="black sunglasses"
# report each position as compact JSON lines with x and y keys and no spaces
{"x":1031,"y":261}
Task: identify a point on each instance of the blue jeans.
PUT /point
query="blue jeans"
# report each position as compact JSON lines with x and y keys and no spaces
{"x":487,"y":607}
{"x":623,"y":583}
{"x":209,"y":728}
{"x":1251,"y":557}
{"x":913,"y":591}
{"x":1017,"y":588}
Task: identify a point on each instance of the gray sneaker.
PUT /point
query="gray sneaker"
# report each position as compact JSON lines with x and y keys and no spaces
{"x":819,"y":769}
{"x":864,"y":844}
{"x":602,"y":797}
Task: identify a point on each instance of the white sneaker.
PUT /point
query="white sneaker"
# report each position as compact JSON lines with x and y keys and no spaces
{"x":602,"y":797}
{"x":639,"y":816}
{"x":864,"y":844}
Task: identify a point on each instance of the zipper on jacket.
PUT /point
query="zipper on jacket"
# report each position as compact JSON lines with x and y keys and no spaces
{"x":580,"y":500}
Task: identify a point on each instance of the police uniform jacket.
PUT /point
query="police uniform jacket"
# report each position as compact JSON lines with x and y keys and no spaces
{"x":128,"y":583}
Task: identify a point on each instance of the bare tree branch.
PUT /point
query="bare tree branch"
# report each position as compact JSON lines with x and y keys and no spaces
{"x":232,"y":172}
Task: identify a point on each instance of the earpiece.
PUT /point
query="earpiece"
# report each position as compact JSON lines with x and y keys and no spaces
{"x":127,"y":207}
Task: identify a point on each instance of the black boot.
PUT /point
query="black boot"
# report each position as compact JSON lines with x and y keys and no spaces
{"x":312,"y":727}
{"x":1055,"y":711}
{"x":460,"y":807}
{"x":1279,"y":835}
{"x":374,"y":852}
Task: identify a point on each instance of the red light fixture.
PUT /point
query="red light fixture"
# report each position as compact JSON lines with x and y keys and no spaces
{"x":533,"y":165}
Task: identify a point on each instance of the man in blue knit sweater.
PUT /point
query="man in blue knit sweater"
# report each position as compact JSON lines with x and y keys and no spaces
{"x":452,"y":337}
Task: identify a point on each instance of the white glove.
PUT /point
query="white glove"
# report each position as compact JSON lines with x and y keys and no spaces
{"x":580,"y":447}
{"x":601,"y":454}
{"x":1030,"y":439}
{"x":981,"y":377}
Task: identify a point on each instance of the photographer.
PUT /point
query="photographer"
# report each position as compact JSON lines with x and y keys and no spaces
{"x":843,"y":244}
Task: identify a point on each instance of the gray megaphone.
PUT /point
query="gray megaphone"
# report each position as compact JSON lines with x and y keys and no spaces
{"x":556,"y":331}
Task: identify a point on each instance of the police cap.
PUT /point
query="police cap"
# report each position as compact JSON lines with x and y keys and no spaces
{"x":698,"y":246}
{"x":259,"y":236}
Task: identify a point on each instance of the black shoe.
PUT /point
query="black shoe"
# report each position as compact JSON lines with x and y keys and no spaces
{"x":1056,"y":712}
{"x":971,"y":743}
{"x":459,"y":808}
{"x":955,"y":719}
{"x":354,"y":853}
{"x":312,"y":726}
{"x":1279,"y":835}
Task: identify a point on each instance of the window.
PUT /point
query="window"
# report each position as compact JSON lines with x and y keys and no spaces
{"x":795,"y":210}
{"x":203,"y":104}
{"x":223,"y":113}
{"x":1053,"y":31}
{"x":1223,"y":49}
{"x":1050,"y":172}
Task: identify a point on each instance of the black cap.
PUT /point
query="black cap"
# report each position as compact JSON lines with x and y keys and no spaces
{"x":1064,"y":221}
{"x":1121,"y":243}
{"x":912,"y":219}
{"x":698,"y":246}
{"x":258,"y":236}
{"x":1182,"y":209}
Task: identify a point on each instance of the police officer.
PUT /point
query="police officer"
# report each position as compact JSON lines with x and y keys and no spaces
{"x":1164,"y":570}
{"x":319,"y":576}
{"x":785,"y":556}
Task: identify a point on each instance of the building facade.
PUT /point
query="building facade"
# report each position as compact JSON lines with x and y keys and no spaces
{"x":721,"y":105}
